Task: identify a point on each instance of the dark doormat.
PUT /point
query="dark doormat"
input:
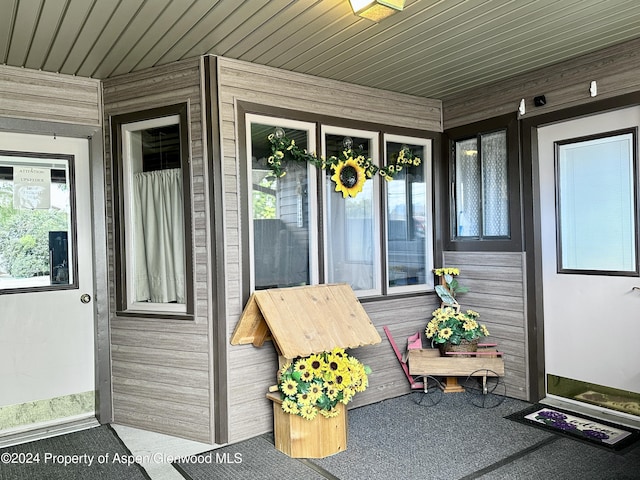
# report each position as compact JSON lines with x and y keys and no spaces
{"x":94,"y":454}
{"x":578,"y":427}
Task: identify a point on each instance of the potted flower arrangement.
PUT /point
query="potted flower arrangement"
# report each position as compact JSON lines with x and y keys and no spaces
{"x":316,"y":384}
{"x":449,"y":328}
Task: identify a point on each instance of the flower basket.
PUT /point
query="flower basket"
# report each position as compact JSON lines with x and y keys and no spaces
{"x":463,"y":346}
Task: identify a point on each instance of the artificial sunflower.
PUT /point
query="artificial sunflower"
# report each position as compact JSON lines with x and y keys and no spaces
{"x":316,"y":384}
{"x":349,"y":177}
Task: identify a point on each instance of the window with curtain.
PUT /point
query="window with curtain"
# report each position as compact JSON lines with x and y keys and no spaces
{"x":596,"y":207}
{"x":283,"y":218}
{"x":153,"y":246}
{"x":481,"y":200}
{"x":409,"y":233}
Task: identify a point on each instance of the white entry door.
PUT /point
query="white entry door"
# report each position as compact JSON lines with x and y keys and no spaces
{"x":589,"y":226}
{"x":46,"y":282}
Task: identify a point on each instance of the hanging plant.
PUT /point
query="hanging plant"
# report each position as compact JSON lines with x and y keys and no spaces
{"x":350,"y":168}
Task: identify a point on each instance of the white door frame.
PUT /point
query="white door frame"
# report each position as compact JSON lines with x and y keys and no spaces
{"x":100,"y":302}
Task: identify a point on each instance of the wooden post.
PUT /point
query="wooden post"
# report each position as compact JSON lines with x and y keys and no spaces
{"x":451,"y":385}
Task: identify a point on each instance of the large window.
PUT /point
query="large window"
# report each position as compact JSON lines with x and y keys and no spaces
{"x":409,"y":247}
{"x":37,"y":232}
{"x":283,"y":219}
{"x":153,"y":221}
{"x":375,"y":235}
{"x":352,"y":224}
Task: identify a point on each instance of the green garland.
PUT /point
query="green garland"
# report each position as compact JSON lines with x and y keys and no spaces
{"x":282,"y":146}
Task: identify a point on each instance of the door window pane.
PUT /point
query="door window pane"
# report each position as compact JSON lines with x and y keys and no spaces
{"x":36,"y":228}
{"x":352,"y":228}
{"x":408,"y":219}
{"x":281,"y":212}
{"x":596,"y":206}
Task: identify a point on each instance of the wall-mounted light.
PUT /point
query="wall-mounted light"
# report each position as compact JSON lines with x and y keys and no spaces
{"x":376,"y":10}
{"x":521,"y":107}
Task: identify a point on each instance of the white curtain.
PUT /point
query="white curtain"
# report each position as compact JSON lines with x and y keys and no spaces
{"x":159,"y":236}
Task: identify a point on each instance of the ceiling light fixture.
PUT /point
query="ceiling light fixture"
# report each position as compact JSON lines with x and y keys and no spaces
{"x":376,"y":10}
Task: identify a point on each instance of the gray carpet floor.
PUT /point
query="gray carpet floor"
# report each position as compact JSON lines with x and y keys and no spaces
{"x":93,"y":454}
{"x":400,"y":438}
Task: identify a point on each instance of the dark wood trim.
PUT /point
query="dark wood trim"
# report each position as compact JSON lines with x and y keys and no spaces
{"x":214,"y":160}
{"x":532,"y":222}
{"x":116,"y":121}
{"x":514,"y":242}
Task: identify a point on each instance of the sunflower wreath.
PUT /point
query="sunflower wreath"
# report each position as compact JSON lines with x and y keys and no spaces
{"x":350,"y":168}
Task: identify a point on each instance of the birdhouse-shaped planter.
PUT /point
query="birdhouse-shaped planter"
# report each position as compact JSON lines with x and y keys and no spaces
{"x":303,"y":321}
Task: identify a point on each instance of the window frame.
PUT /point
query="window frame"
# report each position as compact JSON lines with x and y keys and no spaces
{"x":635,"y":207}
{"x":311,"y":129}
{"x":374,"y":138}
{"x":72,"y":250}
{"x":427,"y":165}
{"x":277,"y":114}
{"x":514,"y":242}
{"x":120,"y":190}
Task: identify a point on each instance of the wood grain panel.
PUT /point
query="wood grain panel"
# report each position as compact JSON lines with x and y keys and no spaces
{"x":496,"y":291}
{"x":189,"y":396}
{"x":565,"y":84}
{"x":161,"y":416}
{"x":161,"y":367}
{"x":176,"y":377}
{"x":35,"y":95}
{"x":326,"y":97}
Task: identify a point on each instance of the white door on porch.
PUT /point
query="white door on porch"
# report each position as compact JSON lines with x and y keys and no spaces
{"x":589,"y":227}
{"x":46,"y":282}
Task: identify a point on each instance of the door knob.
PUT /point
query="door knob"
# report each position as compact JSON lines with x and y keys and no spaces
{"x":85,"y":298}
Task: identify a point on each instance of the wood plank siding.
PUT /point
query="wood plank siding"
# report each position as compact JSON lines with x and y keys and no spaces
{"x":252,"y":370}
{"x":161,"y":367}
{"x":565,"y":84}
{"x":496,"y":284}
{"x":50,"y":97}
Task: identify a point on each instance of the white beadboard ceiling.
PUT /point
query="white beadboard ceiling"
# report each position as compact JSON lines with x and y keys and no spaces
{"x":434,"y":48}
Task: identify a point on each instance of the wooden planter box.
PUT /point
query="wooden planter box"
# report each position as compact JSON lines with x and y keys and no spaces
{"x":300,"y":438}
{"x":301,"y":321}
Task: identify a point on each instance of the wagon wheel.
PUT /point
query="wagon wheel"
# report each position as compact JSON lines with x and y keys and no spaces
{"x":431,"y":394}
{"x":485,"y":389}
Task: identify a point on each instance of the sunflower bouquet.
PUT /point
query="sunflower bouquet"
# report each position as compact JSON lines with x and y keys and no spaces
{"x":452,"y":326}
{"x":315,"y":384}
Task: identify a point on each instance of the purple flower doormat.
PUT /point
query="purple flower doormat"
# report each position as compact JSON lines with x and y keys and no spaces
{"x":578,"y":427}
